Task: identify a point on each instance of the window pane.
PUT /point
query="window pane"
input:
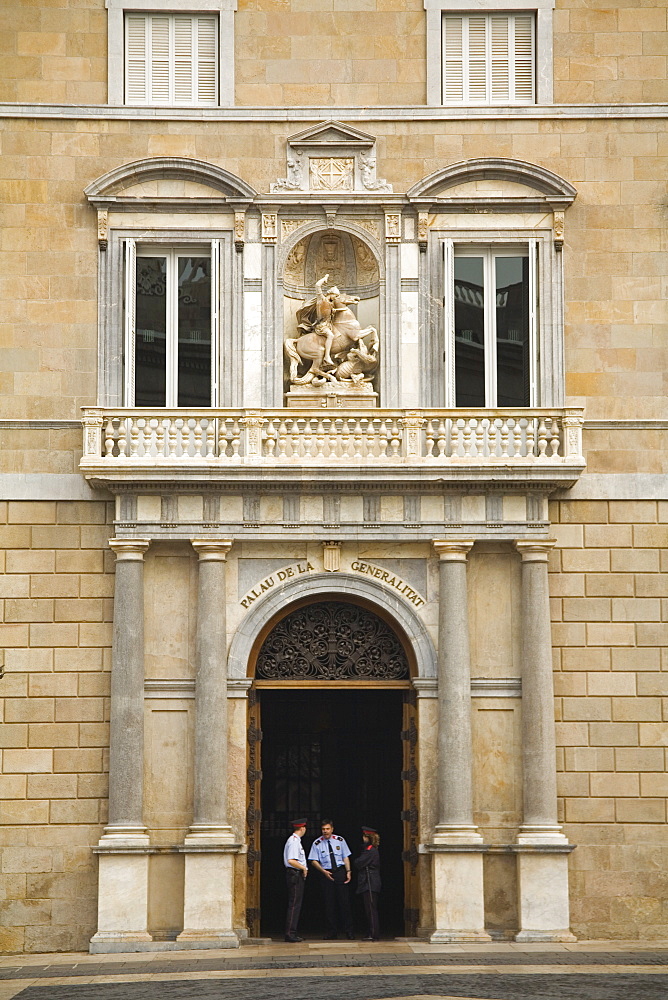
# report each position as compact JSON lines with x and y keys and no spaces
{"x":151,"y":332}
{"x":469,"y":332}
{"x":512,"y":330}
{"x":194,"y":331}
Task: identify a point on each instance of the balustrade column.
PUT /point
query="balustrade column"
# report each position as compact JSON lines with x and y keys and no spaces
{"x":123,"y":862}
{"x":209,"y":847}
{"x":542,"y":848}
{"x":457,"y":845}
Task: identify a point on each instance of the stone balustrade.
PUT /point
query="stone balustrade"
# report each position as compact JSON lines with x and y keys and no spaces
{"x":184,"y":440}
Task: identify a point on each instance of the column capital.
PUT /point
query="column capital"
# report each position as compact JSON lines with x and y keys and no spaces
{"x":537,"y":551}
{"x":452,"y":550}
{"x":212,"y":549}
{"x":129,"y":549}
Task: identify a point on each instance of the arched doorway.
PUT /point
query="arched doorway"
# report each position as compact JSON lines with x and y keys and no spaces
{"x":332,"y":733}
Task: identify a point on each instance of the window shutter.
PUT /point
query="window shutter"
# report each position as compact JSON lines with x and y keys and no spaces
{"x":477,"y":60}
{"x":215,"y":321}
{"x":500,"y":65}
{"x":130,"y":253}
{"x":135,"y":58}
{"x":533,"y":323}
{"x":183,"y":60}
{"x":453,"y":59}
{"x":449,"y":320}
{"x":206,"y":60}
{"x":524,"y":49}
{"x":488,"y":59}
{"x":160,"y":60}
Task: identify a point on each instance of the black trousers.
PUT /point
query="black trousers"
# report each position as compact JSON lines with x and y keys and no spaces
{"x":295,"y":882}
{"x":370,"y":900}
{"x":337,"y":902}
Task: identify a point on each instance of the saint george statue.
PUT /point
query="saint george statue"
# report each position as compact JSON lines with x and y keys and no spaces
{"x":340,"y":352}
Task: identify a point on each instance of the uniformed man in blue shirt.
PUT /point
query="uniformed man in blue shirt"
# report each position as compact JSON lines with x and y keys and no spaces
{"x":331,"y":856}
{"x":296,"y":870}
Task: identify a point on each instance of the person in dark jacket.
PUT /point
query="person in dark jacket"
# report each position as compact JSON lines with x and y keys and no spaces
{"x":368,"y":879}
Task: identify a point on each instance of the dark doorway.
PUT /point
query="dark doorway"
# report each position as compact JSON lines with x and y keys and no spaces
{"x":331,"y":754}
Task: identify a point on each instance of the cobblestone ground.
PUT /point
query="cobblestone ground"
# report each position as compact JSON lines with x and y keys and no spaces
{"x":389,"y":972}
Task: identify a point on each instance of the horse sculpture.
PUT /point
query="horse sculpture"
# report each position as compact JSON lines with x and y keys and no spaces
{"x":333,"y":340}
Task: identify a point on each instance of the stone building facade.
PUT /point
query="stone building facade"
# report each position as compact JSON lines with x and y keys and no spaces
{"x":450,"y":556}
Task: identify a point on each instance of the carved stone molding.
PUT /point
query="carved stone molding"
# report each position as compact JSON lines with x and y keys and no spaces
{"x":331,"y":157}
{"x":269,"y":227}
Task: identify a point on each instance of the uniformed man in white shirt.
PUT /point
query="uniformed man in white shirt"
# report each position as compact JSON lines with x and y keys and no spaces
{"x":331,"y":856}
{"x":296,"y":870}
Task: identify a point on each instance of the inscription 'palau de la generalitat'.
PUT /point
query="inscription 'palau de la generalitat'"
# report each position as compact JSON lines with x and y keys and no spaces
{"x":390,"y":579}
{"x":280,"y":576}
{"x":298,"y":569}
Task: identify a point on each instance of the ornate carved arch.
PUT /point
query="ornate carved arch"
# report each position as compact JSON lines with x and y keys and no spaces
{"x":320,"y":586}
{"x":531,"y":175}
{"x":115,"y":181}
{"x":332,"y":640}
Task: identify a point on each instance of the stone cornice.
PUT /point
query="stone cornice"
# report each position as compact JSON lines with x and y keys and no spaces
{"x":317,"y":114}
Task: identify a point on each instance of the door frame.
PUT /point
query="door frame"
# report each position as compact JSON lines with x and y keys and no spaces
{"x":410,"y":746}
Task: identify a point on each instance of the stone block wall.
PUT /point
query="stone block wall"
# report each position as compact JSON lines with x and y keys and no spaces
{"x":57,"y":53}
{"x":614,"y":258}
{"x":609,"y":588}
{"x":56,"y":580}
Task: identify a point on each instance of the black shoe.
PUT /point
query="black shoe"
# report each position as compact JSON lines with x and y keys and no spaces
{"x":294,"y":940}
{"x":350,"y":936}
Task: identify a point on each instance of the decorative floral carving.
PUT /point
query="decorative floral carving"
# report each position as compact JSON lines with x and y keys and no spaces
{"x":102,"y":228}
{"x":332,"y":641}
{"x":371,"y":227}
{"x":290,"y":226}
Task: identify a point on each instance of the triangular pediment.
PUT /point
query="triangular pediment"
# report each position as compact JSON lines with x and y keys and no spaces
{"x":332,"y":134}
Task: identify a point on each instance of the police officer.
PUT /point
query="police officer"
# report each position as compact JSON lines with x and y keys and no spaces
{"x":296,"y":870}
{"x":331,"y":856}
{"x":368,"y":879}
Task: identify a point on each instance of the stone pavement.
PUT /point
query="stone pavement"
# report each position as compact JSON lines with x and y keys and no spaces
{"x":388,"y":970}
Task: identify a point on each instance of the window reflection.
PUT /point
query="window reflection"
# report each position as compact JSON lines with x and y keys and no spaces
{"x":151,"y":332}
{"x":194,"y":331}
{"x":469,"y":331}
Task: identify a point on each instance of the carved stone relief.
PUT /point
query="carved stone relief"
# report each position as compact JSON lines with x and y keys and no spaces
{"x":331,"y":157}
{"x":331,"y":173}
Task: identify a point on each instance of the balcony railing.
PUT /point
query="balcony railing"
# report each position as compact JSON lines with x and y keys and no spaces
{"x":157,"y":441}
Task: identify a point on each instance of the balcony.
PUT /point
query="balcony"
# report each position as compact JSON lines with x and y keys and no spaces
{"x":531,"y":446}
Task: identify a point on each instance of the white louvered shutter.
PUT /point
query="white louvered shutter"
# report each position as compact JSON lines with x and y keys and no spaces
{"x":135,"y":59}
{"x":183,"y":60}
{"x":524,"y":57}
{"x":500,"y":60}
{"x":160,"y":60}
{"x":171,"y":59}
{"x":453,"y":60}
{"x":488,"y":59}
{"x":477,"y":60}
{"x":207,"y":60}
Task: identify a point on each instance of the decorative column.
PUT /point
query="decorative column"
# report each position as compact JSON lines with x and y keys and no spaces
{"x":542,"y":849}
{"x":457,"y":845}
{"x":209,"y":846}
{"x":123,"y":847}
